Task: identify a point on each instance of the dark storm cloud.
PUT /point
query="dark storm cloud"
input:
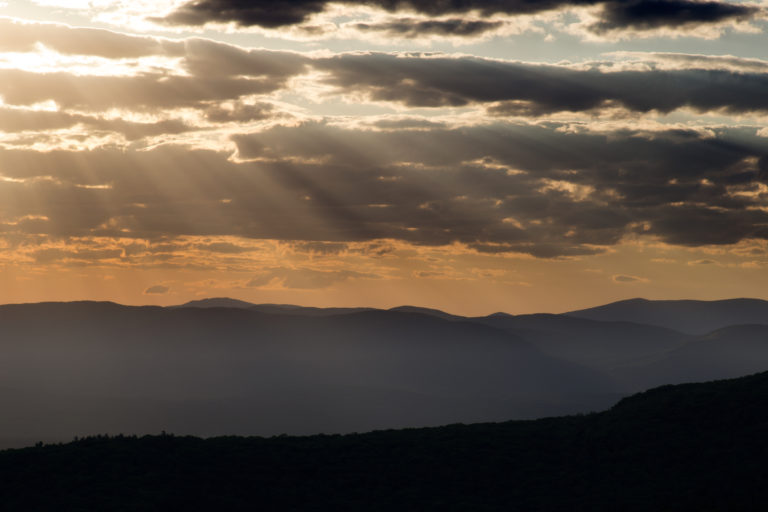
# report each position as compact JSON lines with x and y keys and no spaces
{"x":279,"y":13}
{"x":264,"y":13}
{"x":616,"y":14}
{"x":530,"y":89}
{"x":497,"y":188}
{"x":412,"y":28}
{"x":693,"y":225}
{"x":650,"y":14}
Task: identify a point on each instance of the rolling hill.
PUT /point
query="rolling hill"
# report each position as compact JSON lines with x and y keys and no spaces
{"x":276,"y":309}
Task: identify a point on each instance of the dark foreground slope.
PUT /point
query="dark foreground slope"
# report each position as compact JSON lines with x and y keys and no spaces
{"x":691,"y":447}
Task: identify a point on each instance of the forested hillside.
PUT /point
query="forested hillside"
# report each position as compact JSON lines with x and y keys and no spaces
{"x":696,"y":447}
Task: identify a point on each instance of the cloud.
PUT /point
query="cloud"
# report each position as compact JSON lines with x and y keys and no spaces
{"x":428,"y":274}
{"x":15,"y":120}
{"x":200,"y":57}
{"x":222,"y":248}
{"x":302,"y":278}
{"x":223,"y":83}
{"x":204,"y":58}
{"x":268,"y":14}
{"x":193,"y":73}
{"x":121,"y":89}
{"x":239,"y":112}
{"x":144,"y":92}
{"x":415,"y":28}
{"x":81,"y":256}
{"x":320,"y":248}
{"x":651,"y":14}
{"x":568,"y":192}
{"x":703,"y":262}
{"x":95,"y":117}
{"x":612,"y":15}
{"x":515,"y":88}
{"x":678,"y":61}
{"x":622,"y":278}
{"x":157,"y":290}
{"x":405,"y":123}
{"x":18,"y":36}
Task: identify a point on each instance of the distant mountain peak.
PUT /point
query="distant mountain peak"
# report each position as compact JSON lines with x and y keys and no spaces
{"x":425,"y":311}
{"x":217,"y":302}
{"x":634,"y":300}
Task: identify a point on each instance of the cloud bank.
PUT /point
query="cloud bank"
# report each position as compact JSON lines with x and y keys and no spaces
{"x":196,"y":144}
{"x":612,"y":15}
{"x":498,"y":188}
{"x":535,"y":89}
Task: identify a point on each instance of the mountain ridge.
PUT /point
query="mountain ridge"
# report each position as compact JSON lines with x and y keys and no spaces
{"x":689,"y":316}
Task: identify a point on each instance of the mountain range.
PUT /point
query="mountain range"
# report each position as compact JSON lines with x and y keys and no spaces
{"x":221,"y":366}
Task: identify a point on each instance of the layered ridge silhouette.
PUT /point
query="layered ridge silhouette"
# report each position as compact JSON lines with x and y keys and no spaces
{"x":220,"y":366}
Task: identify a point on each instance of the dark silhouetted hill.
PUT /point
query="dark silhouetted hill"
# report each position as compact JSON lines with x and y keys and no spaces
{"x":216,"y":302}
{"x":283,"y":309}
{"x":696,"y":447}
{"x":275,"y":309}
{"x":427,"y":311}
{"x":689,"y":316}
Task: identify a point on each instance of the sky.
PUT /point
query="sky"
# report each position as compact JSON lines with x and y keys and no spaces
{"x":469,"y":155}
